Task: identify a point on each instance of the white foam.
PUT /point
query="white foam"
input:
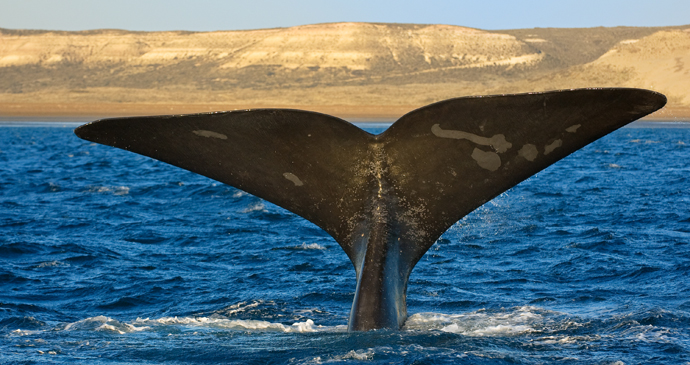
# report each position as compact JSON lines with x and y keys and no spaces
{"x":115,"y":190}
{"x":644,"y":141}
{"x":650,"y":333}
{"x":480,"y":323}
{"x":103,"y":323}
{"x":564,"y":339}
{"x":528,"y":320}
{"x":542,"y":326}
{"x":358,"y":355}
{"x":106,"y":324}
{"x":311,"y":246}
{"x":52,"y":264}
{"x":231,"y":324}
{"x":256,"y":207}
{"x":240,"y":307}
{"x":238,"y":194}
{"x":20,"y":332}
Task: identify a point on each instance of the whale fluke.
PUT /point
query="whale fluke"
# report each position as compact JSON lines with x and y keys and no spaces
{"x":384,"y":198}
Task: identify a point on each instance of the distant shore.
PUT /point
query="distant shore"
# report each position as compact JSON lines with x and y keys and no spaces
{"x":375,"y":72}
{"x":61,"y":112}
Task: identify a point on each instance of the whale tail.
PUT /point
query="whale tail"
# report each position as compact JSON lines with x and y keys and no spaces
{"x":384,"y":198}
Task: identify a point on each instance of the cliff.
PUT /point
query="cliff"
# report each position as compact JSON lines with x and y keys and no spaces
{"x":384,"y":67}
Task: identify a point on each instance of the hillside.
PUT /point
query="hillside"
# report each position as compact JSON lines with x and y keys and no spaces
{"x":343,"y":68}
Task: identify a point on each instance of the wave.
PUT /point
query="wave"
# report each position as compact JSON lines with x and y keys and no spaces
{"x":481,"y":323}
{"x":303,"y":246}
{"x":115,"y":190}
{"x":107,"y":324}
{"x":352,"y":355}
{"x":525,"y":325}
{"x":522,"y":320}
{"x":255,"y":207}
{"x":233,"y":324}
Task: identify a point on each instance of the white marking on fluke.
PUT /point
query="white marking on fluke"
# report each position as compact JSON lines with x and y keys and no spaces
{"x":550,"y":147}
{"x":498,"y":141}
{"x":528,"y":152}
{"x":292,"y":177}
{"x":210,"y":134}
{"x":573,"y":128}
{"x":486,"y":160}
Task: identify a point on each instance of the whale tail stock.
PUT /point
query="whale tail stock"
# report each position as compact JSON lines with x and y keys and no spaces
{"x":384,"y":198}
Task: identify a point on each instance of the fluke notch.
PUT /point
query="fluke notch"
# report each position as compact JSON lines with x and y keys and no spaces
{"x":384,"y":198}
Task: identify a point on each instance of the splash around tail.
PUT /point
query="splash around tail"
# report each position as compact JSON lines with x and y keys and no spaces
{"x":384,"y":198}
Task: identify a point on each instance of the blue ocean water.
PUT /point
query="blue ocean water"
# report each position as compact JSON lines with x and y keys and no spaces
{"x":111,"y":257}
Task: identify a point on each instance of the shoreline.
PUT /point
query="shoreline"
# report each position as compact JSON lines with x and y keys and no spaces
{"x":61,"y":112}
{"x":84,"y":112}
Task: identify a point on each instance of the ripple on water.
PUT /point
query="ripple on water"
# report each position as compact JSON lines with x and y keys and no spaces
{"x":111,"y":257}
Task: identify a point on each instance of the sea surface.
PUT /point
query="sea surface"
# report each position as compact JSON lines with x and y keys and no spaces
{"x":110,"y":257}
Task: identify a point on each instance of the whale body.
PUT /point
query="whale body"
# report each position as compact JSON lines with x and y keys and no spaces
{"x":384,"y":198}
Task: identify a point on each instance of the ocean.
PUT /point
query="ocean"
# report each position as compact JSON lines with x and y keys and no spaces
{"x":114,"y":258}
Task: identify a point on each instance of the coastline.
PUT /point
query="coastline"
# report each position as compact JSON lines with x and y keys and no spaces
{"x":84,"y":112}
{"x":61,"y":112}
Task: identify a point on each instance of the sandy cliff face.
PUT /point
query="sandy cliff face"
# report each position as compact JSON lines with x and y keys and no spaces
{"x":660,"y":61}
{"x":379,"y":47}
{"x":355,"y":46}
{"x":108,"y":47}
{"x":341,"y":63}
